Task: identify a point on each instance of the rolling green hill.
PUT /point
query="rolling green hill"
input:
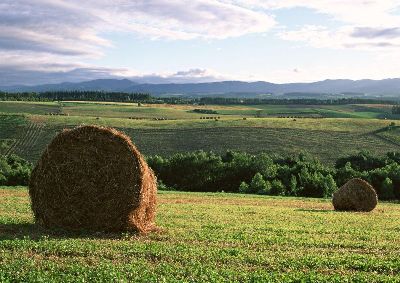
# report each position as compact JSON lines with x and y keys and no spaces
{"x":26,"y":128}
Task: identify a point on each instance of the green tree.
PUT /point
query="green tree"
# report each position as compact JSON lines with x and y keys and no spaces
{"x":293,"y":185}
{"x":387,"y":191}
{"x":329,"y":186}
{"x":14,"y":171}
{"x":277,"y":188}
{"x":259,"y":185}
{"x":243,"y":188}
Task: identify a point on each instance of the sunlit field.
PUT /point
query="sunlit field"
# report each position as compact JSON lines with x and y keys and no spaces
{"x":209,"y":238}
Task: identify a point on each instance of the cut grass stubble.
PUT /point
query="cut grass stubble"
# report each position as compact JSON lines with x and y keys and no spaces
{"x":211,"y":237}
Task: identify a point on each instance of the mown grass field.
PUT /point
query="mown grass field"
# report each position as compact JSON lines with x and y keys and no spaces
{"x":367,"y":111}
{"x":209,"y":238}
{"x":125,"y":110}
{"x":26,"y":128}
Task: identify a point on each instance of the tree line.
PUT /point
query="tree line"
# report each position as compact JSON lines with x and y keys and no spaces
{"x":76,"y":96}
{"x":14,"y":171}
{"x":298,"y":175}
{"x":267,"y":174}
{"x":147,"y":98}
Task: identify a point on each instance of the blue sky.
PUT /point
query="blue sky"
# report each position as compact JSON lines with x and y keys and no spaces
{"x":50,"y":41}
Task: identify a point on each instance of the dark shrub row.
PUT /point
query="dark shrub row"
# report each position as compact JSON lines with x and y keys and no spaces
{"x":14,"y":171}
{"x":299,"y":175}
{"x":75,"y":95}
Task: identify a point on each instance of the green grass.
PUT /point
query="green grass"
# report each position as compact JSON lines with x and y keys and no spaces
{"x":327,"y":145}
{"x":11,"y":127}
{"x":150,"y":111}
{"x":331,"y":124}
{"x":28,"y":133}
{"x":391,"y":135}
{"x":325,"y":138}
{"x":327,"y":111}
{"x":210,"y":238}
{"x":125,"y":111}
{"x":19,"y":107}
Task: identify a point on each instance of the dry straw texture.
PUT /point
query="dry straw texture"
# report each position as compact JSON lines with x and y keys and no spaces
{"x":93,"y":178}
{"x":355,"y":195}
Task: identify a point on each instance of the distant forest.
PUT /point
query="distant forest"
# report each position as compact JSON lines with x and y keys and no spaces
{"x":75,"y":95}
{"x":147,"y":98}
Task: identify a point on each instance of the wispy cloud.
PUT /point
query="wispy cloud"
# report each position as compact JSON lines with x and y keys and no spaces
{"x":372,"y":33}
{"x":188,"y":76}
{"x":362,"y":24}
{"x":355,"y":12}
{"x":184,"y":19}
{"x":54,"y":38}
{"x":345,"y":37}
{"x":67,"y":32}
{"x":73,"y":27}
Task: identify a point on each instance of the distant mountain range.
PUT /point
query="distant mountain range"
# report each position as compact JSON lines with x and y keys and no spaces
{"x":386,"y":87}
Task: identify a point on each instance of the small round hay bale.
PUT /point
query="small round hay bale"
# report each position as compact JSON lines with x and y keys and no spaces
{"x":93,"y":178}
{"x":355,"y":195}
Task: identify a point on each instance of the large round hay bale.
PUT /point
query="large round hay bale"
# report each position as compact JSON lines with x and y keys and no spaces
{"x":355,"y":195}
{"x":93,"y":178}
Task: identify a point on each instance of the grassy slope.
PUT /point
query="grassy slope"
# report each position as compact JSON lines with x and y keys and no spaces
{"x":11,"y":127}
{"x":326,"y":138}
{"x":124,"y":110}
{"x":392,"y":135}
{"x":328,"y":111}
{"x":210,"y":238}
{"x":326,"y":143}
{"x":28,"y":107}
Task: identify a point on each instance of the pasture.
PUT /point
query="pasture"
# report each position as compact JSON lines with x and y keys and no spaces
{"x":26,"y":127}
{"x":209,"y":238}
{"x":177,"y":112}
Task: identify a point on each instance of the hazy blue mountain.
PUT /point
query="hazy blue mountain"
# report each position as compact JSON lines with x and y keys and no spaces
{"x":94,"y":85}
{"x":228,"y":88}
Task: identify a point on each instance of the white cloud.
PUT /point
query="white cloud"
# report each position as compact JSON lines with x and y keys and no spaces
{"x":72,"y":27}
{"x":48,"y":27}
{"x":364,"y":23}
{"x":383,"y":33}
{"x":344,"y":37}
{"x":58,"y":35}
{"x":357,"y":12}
{"x":183,"y":19}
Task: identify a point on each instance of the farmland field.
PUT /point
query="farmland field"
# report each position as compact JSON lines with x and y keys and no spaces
{"x":27,"y":127}
{"x":209,"y":238}
{"x":206,"y":237}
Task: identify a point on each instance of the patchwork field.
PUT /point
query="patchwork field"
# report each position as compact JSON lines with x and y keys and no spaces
{"x":209,"y":238}
{"x":27,"y":127}
{"x":125,"y":110}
